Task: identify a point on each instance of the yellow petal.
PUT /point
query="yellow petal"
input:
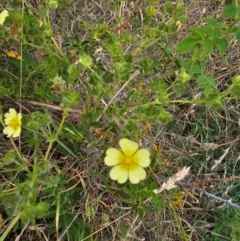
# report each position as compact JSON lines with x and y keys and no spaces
{"x":12,"y":112}
{"x":17,"y":132}
{"x":113,"y":157}
{"x":7,"y":118}
{"x":19,"y":116}
{"x":10,"y":115}
{"x":3,"y":16}
{"x":119,"y":173}
{"x":141,"y":157}
{"x":128,"y":147}
{"x":8,"y":131}
{"x":136,"y":173}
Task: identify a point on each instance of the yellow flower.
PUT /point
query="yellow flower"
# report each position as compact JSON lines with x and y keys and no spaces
{"x":3,"y":16}
{"x":128,"y":163}
{"x":13,"y":121}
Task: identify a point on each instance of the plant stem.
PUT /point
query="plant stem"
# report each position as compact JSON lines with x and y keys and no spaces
{"x":57,"y":133}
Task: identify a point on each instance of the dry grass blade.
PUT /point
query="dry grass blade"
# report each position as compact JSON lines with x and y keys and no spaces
{"x":170,"y":184}
{"x":219,"y":160}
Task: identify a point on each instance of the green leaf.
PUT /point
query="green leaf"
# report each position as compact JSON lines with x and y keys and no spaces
{"x":198,"y":32}
{"x":3,"y":91}
{"x":127,"y":190}
{"x":159,"y":85}
{"x":210,"y":21}
{"x":195,"y":69}
{"x":123,"y":70}
{"x":165,"y":116}
{"x":146,"y":65}
{"x":207,"y":89}
{"x":207,"y":46}
{"x":11,"y":158}
{"x":206,"y":80}
{"x":217,"y":34}
{"x":214,"y":99}
{"x":215,"y":24}
{"x":238,"y":35}
{"x":221,"y":44}
{"x":221,"y":25}
{"x":208,"y":30}
{"x":38,"y":120}
{"x":186,"y":44}
{"x":73,"y":72}
{"x":235,"y":91}
{"x":236,"y":80}
{"x":230,"y":11}
{"x":70,"y":99}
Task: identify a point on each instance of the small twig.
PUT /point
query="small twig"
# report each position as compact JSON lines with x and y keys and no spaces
{"x":212,"y":180}
{"x":219,"y":160}
{"x":126,"y":22}
{"x":21,"y":102}
{"x":132,"y":76}
{"x":20,"y":235}
{"x":53,"y":107}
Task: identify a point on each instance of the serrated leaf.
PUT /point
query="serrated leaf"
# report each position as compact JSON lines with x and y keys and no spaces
{"x":213,"y":98}
{"x":221,"y":44}
{"x":73,"y":72}
{"x":159,"y":84}
{"x":230,"y":11}
{"x":165,"y":116}
{"x":206,"y":80}
{"x":186,"y":44}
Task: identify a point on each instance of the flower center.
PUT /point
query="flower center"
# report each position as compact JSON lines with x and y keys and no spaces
{"x":127,"y":160}
{"x":14,"y":123}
